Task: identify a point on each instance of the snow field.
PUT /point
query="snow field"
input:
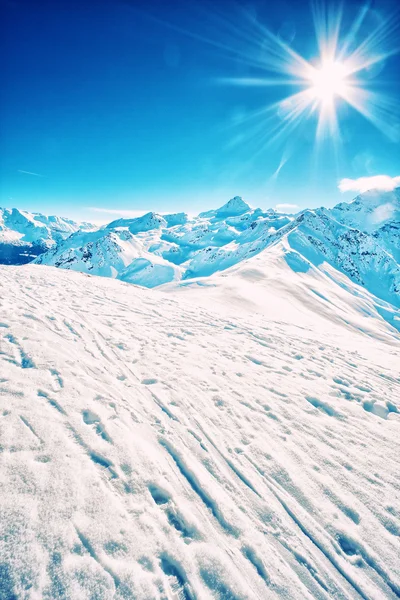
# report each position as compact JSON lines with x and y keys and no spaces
{"x":155,"y":446}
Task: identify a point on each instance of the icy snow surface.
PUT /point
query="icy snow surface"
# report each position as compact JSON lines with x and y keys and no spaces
{"x":198,"y":441}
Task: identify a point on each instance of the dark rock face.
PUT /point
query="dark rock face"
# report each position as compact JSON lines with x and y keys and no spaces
{"x":19,"y":254}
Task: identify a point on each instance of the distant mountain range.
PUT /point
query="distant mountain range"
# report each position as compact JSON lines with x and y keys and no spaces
{"x":24,"y":235}
{"x":360,"y":239}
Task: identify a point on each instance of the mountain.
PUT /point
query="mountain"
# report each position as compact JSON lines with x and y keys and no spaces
{"x":359,"y":239}
{"x":377,"y":214}
{"x":230,"y":437}
{"x":154,"y":249}
{"x":24,"y":235}
{"x":147,"y":222}
{"x":318,"y":239}
{"x":114,"y":253}
{"x":234,"y":207}
{"x":370,"y":211}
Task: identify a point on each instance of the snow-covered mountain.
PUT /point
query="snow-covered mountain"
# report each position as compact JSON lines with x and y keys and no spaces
{"x":235,"y":437}
{"x":360,"y":239}
{"x":115,"y":252}
{"x":370,"y":211}
{"x":233,"y":208}
{"x":24,"y":235}
{"x":156,"y":249}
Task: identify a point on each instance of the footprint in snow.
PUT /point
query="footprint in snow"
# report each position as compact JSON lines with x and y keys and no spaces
{"x":176,"y":577}
{"x":163,"y":499}
{"x":149,"y":381}
{"x":90,"y":418}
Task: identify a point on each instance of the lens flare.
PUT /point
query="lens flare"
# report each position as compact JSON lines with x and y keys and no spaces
{"x":339,"y":74}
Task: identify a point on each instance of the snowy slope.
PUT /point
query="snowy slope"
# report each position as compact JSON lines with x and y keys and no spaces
{"x":111,"y":253}
{"x":24,"y":235}
{"x":197,"y":443}
{"x":116,"y":252}
{"x":280,"y":280}
{"x":318,"y":239}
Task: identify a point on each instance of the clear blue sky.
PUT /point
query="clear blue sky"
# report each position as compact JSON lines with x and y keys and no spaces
{"x":120,"y":105}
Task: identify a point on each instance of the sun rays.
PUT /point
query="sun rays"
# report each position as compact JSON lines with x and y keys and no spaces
{"x":340,"y":72}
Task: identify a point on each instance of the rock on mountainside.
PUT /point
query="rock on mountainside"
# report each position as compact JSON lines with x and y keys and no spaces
{"x":24,"y":235}
{"x":211,"y":441}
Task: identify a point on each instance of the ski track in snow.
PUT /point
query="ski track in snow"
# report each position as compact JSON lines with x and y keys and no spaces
{"x":152,"y":448}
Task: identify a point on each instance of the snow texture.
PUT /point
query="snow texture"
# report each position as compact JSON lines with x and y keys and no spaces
{"x":235,"y":437}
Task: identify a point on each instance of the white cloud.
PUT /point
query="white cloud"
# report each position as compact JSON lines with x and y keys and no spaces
{"x":29,"y":173}
{"x":383,"y":213}
{"x":382,"y":183}
{"x":286,"y":208}
{"x":279,"y":168}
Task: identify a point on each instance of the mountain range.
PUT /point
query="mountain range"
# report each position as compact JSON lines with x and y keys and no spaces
{"x":25,"y":235}
{"x":360,"y":239}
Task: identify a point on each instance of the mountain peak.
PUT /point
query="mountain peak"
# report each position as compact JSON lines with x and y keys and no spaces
{"x":150,"y":220}
{"x":234,"y":207}
{"x":370,"y":210}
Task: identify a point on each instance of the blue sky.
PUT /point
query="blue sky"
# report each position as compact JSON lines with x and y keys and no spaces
{"x":126,"y":106}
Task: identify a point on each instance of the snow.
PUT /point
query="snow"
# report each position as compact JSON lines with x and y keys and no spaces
{"x":147,"y":222}
{"x":24,"y":235}
{"x":360,"y":239}
{"x":235,"y":206}
{"x":235,"y":437}
{"x":176,"y":219}
{"x":34,"y":227}
{"x":112,"y":253}
{"x":370,"y":210}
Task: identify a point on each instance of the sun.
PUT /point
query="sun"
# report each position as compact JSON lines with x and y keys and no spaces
{"x":328,"y":81}
{"x":339,"y":73}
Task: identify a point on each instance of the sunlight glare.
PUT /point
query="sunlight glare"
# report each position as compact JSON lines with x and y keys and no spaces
{"x":339,"y":75}
{"x":328,"y":81}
